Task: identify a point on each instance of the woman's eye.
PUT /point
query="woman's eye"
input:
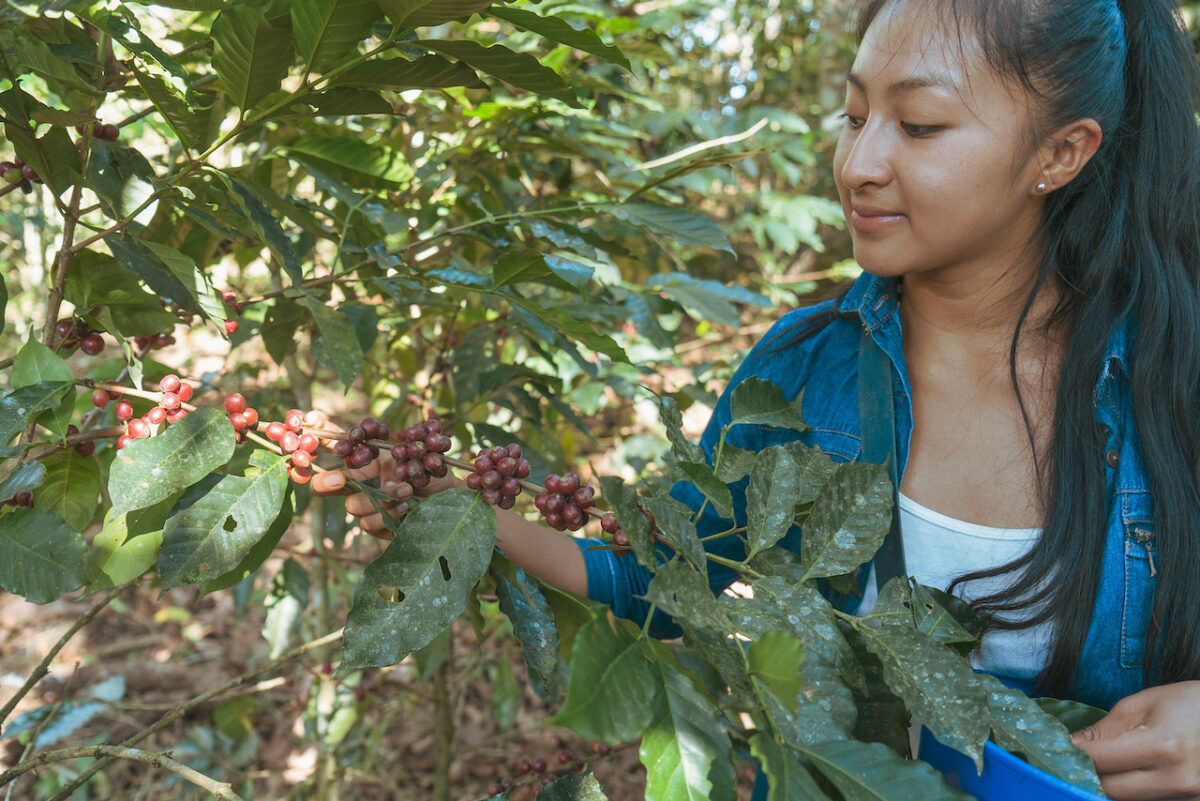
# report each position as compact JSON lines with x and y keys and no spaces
{"x":852,"y":122}
{"x":917,"y":131}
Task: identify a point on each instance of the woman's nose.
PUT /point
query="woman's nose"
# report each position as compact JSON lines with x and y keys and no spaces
{"x":867,"y":160}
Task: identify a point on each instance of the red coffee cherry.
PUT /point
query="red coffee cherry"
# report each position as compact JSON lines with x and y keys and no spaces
{"x":235,"y":403}
{"x":251,"y":415}
{"x":92,"y":344}
{"x":185,"y":391}
{"x":275,"y":431}
{"x":169,"y":383}
{"x":139,"y":428}
{"x":169,"y":401}
{"x":99,"y":398}
{"x":123,"y":410}
{"x":231,"y":326}
{"x":156,"y":415}
{"x":308,"y":442}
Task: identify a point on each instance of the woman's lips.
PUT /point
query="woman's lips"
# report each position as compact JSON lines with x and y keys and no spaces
{"x":869,"y":220}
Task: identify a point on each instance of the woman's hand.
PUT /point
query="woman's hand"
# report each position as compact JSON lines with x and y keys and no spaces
{"x":1148,"y":747}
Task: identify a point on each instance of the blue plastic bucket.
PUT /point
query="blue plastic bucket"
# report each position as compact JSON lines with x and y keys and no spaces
{"x":1005,"y":777}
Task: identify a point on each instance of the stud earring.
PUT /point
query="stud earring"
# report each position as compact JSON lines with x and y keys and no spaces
{"x":1041,"y":187}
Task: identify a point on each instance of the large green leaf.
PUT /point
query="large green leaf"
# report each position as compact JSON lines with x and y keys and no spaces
{"x":52,"y":155}
{"x":174,"y":109}
{"x":874,"y":772}
{"x":575,"y":328}
{"x":556,"y":29}
{"x":850,"y":517}
{"x":1075,"y":715}
{"x":789,"y":779}
{"x":770,"y":498}
{"x":168,"y":273}
{"x":36,"y":363}
{"x":428,"y":571}
{"x":41,"y":558}
{"x":674,"y":523}
{"x":258,"y":554}
{"x":516,"y":69}
{"x":823,"y":710}
{"x":775,"y":659}
{"x":713,"y":488}
{"x":936,"y":683}
{"x":328,"y":31}
{"x":1020,"y":725}
{"x":146,"y":471}
{"x":761,"y":402}
{"x":533,"y":624}
{"x":20,"y":406}
{"x":127,"y":546}
{"x":397,"y":74}
{"x":414,"y":13}
{"x":268,"y":225}
{"x":217,"y":521}
{"x":120,"y":176}
{"x":611,"y":697}
{"x":687,"y":758}
{"x":336,"y":344}
{"x":814,"y":468}
{"x":25,"y":478}
{"x":353,"y":160}
{"x":624,"y":502}
{"x":72,"y":488}
{"x":734,"y":463}
{"x":250,"y":55}
{"x":685,"y":227}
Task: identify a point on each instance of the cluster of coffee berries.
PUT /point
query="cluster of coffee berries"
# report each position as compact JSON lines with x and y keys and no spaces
{"x":155,"y":341}
{"x":85,"y":448}
{"x":18,"y":172}
{"x":610,"y":526}
{"x":498,"y":474}
{"x":24,"y":498}
{"x":174,"y":393}
{"x":564,"y":502}
{"x":71,"y":333}
{"x":243,"y":418}
{"x":109,"y":133}
{"x":231,"y":300}
{"x":355,"y":450}
{"x":293,"y":440}
{"x":418,"y":453}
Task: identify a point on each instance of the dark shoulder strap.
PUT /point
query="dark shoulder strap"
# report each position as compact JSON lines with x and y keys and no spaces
{"x":877,"y":427}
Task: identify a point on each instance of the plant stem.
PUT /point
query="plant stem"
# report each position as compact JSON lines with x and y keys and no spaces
{"x":730,"y":533}
{"x":181,"y":710}
{"x":221,"y":790}
{"x":443,"y":732}
{"x":741,"y":567}
{"x":44,"y":666}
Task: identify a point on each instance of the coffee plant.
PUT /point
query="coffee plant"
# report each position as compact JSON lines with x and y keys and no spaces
{"x":440,"y":208}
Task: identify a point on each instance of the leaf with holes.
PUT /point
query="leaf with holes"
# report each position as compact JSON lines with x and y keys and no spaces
{"x":217,"y":521}
{"x":146,"y":471}
{"x":427,"y":573}
{"x":41,"y":558}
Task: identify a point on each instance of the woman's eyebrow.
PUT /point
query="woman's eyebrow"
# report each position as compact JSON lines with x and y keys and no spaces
{"x":909,"y":84}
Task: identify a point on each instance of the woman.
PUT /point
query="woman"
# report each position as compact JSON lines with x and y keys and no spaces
{"x":1020,"y":181}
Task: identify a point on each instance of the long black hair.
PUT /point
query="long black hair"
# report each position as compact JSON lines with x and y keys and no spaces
{"x":1121,"y":244}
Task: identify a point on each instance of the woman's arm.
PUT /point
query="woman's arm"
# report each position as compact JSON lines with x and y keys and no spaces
{"x":1148,"y":747}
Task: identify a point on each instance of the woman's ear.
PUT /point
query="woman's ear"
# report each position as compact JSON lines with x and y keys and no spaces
{"x":1067,"y":152}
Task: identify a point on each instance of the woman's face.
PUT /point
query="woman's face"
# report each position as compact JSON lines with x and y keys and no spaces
{"x":932,"y":164}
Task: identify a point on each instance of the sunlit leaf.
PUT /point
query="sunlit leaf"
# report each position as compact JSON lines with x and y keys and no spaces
{"x":516,"y":69}
{"x":250,"y":55}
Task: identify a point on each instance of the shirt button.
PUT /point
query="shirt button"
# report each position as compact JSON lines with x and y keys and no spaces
{"x":1112,"y":457}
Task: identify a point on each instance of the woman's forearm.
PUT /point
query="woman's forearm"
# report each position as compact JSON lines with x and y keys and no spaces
{"x":549,"y":555}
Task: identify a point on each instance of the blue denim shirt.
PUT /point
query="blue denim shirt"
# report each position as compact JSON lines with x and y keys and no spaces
{"x":825,"y":366}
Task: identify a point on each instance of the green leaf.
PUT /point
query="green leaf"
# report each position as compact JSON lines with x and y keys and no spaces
{"x":336,"y":344}
{"x":514,"y":267}
{"x":770,"y":498}
{"x":685,"y":227}
{"x":672,"y":419}
{"x":571,"y":613}
{"x":396,"y":74}
{"x":120,"y":176}
{"x":20,"y":406}
{"x":280,"y":324}
{"x":686,"y":756}
{"x":734,"y":463}
{"x":347,"y":101}
{"x":328,"y":31}
{"x":758,"y":401}
{"x":572,"y":787}
{"x":624,"y":502}
{"x":575,"y":328}
{"x":41,"y":558}
{"x":788,"y":779}
{"x":258,"y":554}
{"x":882,"y":715}
{"x":937,"y":684}
{"x":124,"y":31}
{"x":52,"y":156}
{"x":611,"y":697}
{"x":814,"y":469}
{"x":570,"y":269}
{"x":533,"y":624}
{"x":25,"y":478}
{"x":285,"y":604}
{"x":36,"y":363}
{"x":144,"y":261}
{"x":516,"y":69}
{"x":717,"y":159}
{"x":173,"y":108}
{"x":441,"y":550}
{"x":250,"y":55}
{"x":217,"y":521}
{"x":354,"y":160}
{"x":272,"y":232}
{"x":146,"y":471}
{"x":874,"y":772}
{"x":705,"y":480}
{"x":127,"y":546}
{"x":72,"y":488}
{"x":415,"y":13}
{"x":775,"y":658}
{"x":1075,"y":715}
{"x":824,"y":710}
{"x":557,"y":30}
{"x":850,"y":517}
{"x":674,"y":523}
{"x":1022,"y":726}
{"x":943,"y":617}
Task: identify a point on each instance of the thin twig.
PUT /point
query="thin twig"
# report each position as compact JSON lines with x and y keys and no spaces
{"x":44,"y":666}
{"x":179,"y":711}
{"x":221,"y":790}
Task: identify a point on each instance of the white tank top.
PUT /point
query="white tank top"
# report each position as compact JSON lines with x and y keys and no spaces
{"x":938,"y":548}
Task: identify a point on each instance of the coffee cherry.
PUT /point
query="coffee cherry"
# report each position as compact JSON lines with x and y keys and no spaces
{"x":110,"y":132}
{"x":298,"y":474}
{"x":361,"y":456}
{"x":584,"y":497}
{"x":175,"y":415}
{"x":524,"y":767}
{"x":356,"y":434}
{"x":122,"y":441}
{"x":565,"y":756}
{"x":552,"y":483}
{"x":139,"y":429}
{"x":162,"y":341}
{"x":621,"y":538}
{"x":609,"y":523}
{"x":294,"y":420}
{"x":289,"y":442}
{"x":23,"y":498}
{"x":539,"y":765}
{"x":169,"y":401}
{"x":123,"y":410}
{"x":238,"y":419}
{"x":506,"y":466}
{"x":231,"y":326}
{"x":227,"y":295}
{"x":251,"y":415}
{"x":86,"y":448}
{"x":92,"y":344}
{"x":11,"y":173}
{"x":514,"y":451}
{"x":156,"y":415}
{"x":301,"y":458}
{"x":307,"y":442}
{"x":343,"y":447}
{"x":275,"y":431}
{"x":99,"y":398}
{"x":568,"y":484}
{"x":169,"y":383}
{"x":475,"y":481}
{"x":235,"y":403}
{"x":370,"y":427}
{"x":491,"y":496}
{"x":30,"y":174}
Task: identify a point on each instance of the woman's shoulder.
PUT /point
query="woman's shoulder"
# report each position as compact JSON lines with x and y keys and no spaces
{"x":820,"y":333}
